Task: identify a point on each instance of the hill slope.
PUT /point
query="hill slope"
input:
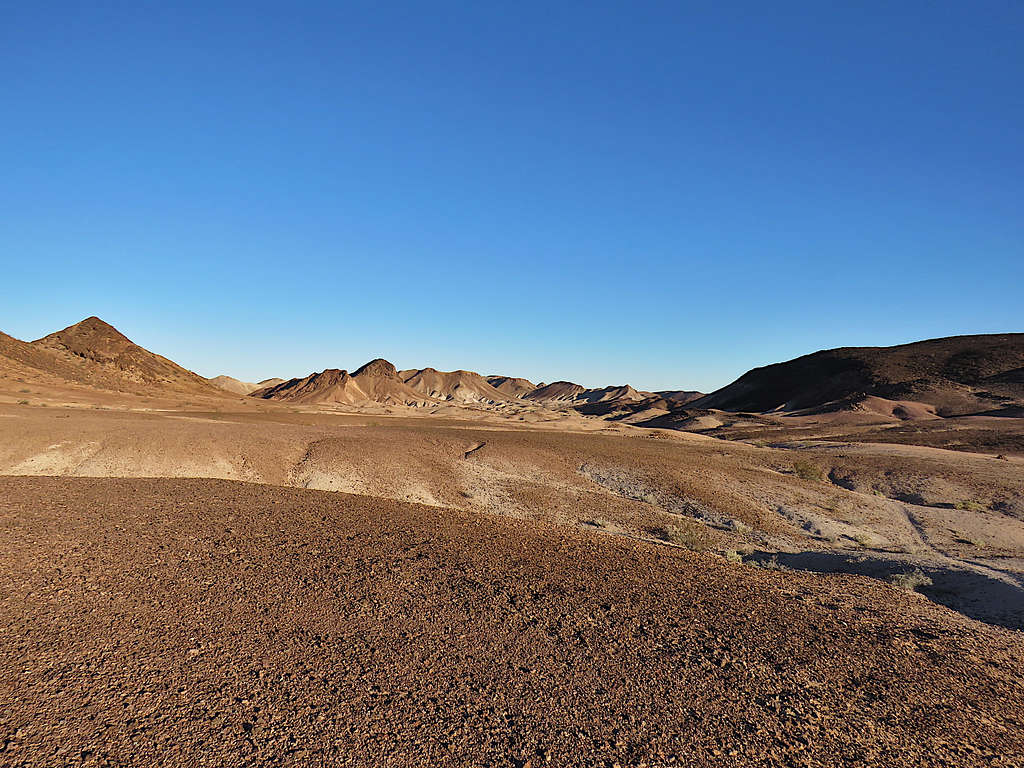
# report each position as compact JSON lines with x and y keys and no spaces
{"x":111,"y":360}
{"x":954,"y":375}
{"x":97,"y":355}
{"x":511,"y":385}
{"x":19,"y":358}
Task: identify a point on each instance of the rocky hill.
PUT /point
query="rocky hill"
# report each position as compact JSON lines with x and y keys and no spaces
{"x":948,"y":376}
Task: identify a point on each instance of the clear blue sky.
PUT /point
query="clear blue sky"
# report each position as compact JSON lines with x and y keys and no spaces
{"x":665,"y":194}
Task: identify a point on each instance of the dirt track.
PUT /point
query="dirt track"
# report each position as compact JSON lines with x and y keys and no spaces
{"x":206,"y":622}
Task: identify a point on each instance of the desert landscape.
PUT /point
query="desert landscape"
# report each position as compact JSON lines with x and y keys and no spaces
{"x":511,"y":385}
{"x":821,"y":563}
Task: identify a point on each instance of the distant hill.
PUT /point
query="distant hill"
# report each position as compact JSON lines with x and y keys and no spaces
{"x":679,"y":395}
{"x":456,"y":386}
{"x":556,"y":391}
{"x":953,"y":376}
{"x":376,"y":382}
{"x":511,"y":385}
{"x":95,"y":354}
{"x":625,"y":393}
{"x":231,"y":384}
{"x":566,"y":392}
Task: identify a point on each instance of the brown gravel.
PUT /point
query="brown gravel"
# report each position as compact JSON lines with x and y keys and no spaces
{"x":208,"y":622}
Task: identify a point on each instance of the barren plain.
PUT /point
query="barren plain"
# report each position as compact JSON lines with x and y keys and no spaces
{"x":192,"y":576}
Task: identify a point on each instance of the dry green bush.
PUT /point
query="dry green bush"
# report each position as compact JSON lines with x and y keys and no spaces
{"x":969,"y":505}
{"x":911,"y":580}
{"x":808,"y":470}
{"x":693,"y":537}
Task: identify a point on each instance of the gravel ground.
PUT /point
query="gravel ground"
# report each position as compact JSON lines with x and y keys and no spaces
{"x":214,"y":623}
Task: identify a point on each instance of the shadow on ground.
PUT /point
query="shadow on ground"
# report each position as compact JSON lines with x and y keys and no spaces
{"x":974,"y":594}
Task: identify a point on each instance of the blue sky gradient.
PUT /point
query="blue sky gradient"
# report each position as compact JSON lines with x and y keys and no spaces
{"x":665,"y":194}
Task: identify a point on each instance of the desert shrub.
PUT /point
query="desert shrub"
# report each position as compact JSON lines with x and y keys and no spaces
{"x":771,"y":564}
{"x":911,"y":580}
{"x":808,"y":470}
{"x":733,"y":556}
{"x":864,"y":540}
{"x":692,"y":537}
{"x":969,"y":505}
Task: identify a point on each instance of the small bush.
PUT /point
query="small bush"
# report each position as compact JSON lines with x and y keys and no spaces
{"x":694,"y":538}
{"x":911,"y":580}
{"x":969,"y":505}
{"x":733,"y":556}
{"x":771,"y":564}
{"x":808,"y":470}
{"x":864,"y":540}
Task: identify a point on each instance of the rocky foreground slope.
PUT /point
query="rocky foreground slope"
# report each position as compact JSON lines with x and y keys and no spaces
{"x":202,"y":622}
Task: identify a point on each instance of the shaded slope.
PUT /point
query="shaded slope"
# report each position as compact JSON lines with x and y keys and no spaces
{"x":959,"y":374}
{"x":679,"y":395}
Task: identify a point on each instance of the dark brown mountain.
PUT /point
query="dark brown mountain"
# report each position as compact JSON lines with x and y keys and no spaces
{"x":109,"y":355}
{"x":95,"y":354}
{"x":955,"y":375}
